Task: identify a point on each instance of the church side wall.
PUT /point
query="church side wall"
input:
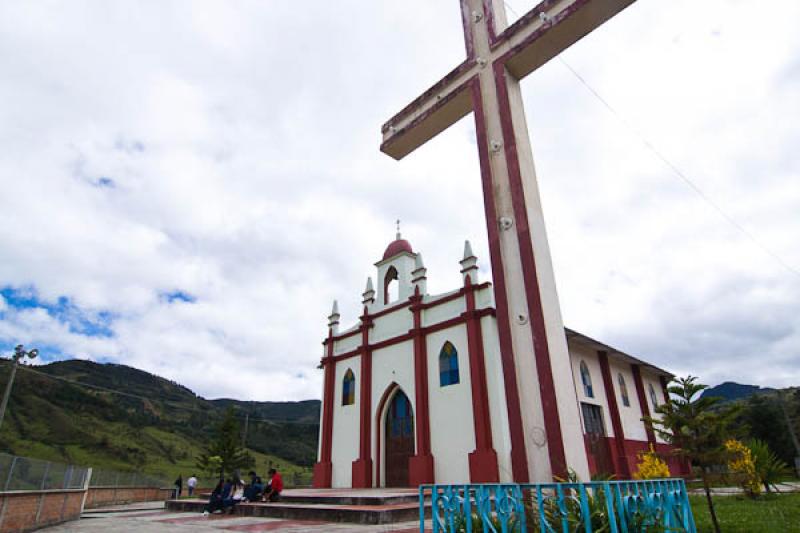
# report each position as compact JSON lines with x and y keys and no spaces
{"x":648,"y":379}
{"x":631,"y":417}
{"x":345,"y":425}
{"x":451,"y":417}
{"x":393,"y":364}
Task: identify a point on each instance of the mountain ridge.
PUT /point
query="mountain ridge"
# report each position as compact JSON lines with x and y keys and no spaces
{"x":66,"y":411}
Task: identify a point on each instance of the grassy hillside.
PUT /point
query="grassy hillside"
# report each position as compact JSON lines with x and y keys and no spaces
{"x":159,"y":428}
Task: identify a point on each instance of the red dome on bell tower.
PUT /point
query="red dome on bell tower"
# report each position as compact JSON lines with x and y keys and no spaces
{"x":399,"y":245}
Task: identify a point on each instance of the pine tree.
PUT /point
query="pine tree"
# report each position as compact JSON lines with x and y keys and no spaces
{"x":697,"y":426}
{"x":225,"y":452}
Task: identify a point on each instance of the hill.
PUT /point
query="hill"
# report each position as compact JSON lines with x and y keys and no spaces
{"x":66,"y":411}
{"x":735,"y":391}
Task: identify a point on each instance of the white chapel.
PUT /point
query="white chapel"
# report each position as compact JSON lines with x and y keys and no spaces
{"x":417,"y":390}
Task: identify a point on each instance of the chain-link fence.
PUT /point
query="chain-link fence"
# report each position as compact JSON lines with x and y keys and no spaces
{"x":113,"y":478}
{"x":21,"y":473}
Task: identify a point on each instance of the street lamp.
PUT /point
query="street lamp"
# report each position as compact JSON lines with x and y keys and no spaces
{"x":19,"y":353}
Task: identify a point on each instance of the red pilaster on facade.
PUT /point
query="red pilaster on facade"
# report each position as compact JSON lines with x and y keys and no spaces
{"x":483,"y":461}
{"x":420,"y":466}
{"x":323,"y":470}
{"x":621,"y":466}
{"x":637,"y":378}
{"x":362,"y":467}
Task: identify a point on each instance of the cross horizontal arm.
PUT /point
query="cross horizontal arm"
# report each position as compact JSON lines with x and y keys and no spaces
{"x":549,"y":29}
{"x":438,"y":108}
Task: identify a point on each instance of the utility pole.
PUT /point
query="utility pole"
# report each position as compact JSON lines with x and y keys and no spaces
{"x":244,"y":434}
{"x":19,"y":353}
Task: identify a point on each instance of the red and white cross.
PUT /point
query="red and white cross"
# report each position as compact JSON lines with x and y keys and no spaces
{"x":544,"y":422}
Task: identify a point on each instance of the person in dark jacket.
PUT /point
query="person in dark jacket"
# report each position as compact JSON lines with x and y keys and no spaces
{"x":254,"y":490}
{"x":178,"y":486}
{"x":218,"y":496}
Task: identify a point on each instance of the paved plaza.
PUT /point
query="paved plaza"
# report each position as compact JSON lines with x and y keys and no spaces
{"x":152,"y":518}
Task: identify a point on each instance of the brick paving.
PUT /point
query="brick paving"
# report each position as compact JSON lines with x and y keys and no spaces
{"x":159,"y":520}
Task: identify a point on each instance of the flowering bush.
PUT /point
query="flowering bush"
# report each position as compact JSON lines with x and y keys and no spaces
{"x":651,"y":466}
{"x":741,"y":464}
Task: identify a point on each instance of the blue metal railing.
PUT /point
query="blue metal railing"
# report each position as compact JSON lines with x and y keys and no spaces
{"x":613,"y":506}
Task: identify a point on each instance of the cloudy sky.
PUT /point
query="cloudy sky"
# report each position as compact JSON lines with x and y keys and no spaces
{"x":186,"y":186}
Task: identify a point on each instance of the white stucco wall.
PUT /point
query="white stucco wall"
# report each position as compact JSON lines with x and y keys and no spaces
{"x":451,"y":419}
{"x":631,"y":417}
{"x":345,"y":425}
{"x":391,"y":325}
{"x":650,"y":378}
{"x":443,"y":312}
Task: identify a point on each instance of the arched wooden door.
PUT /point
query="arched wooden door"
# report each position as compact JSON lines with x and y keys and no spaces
{"x":399,"y":438}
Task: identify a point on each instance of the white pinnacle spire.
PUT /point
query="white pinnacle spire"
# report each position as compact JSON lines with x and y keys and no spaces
{"x":468,"y":250}
{"x":333,"y":319}
{"x":368,"y":297}
{"x":418,"y":264}
{"x":469,"y":264}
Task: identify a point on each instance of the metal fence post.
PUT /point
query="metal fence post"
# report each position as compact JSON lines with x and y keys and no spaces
{"x":44,"y":477}
{"x":10,"y":472}
{"x":86,"y":487}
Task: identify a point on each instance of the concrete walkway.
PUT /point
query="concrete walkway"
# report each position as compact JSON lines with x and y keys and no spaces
{"x":152,"y":518}
{"x":786,"y":486}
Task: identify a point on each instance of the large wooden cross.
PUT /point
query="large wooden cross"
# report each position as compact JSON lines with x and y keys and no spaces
{"x":544,"y":422}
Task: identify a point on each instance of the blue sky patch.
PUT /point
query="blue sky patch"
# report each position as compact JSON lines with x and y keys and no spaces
{"x":92,"y":324}
{"x":178,"y":296}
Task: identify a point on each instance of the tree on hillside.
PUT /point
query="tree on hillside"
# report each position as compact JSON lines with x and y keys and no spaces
{"x":697,"y":426}
{"x":761,"y":418}
{"x":225,"y":452}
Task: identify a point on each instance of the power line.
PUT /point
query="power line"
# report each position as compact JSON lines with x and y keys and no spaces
{"x":673,"y":167}
{"x":679,"y":173}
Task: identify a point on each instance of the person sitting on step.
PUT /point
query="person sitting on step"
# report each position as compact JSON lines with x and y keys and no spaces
{"x":275,"y":486}
{"x":254,"y":491}
{"x":218,"y":496}
{"x":236,"y":494}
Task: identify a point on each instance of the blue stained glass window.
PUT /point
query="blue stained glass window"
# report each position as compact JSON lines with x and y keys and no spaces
{"x":349,"y":388}
{"x":448,"y":365}
{"x":586,"y":379}
{"x":400,"y":419}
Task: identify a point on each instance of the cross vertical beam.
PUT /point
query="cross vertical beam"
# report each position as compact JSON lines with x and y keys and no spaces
{"x":544,"y":423}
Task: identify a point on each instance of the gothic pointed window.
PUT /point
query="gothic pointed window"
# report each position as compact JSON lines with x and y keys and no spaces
{"x":586,"y":379}
{"x":349,"y":388}
{"x":623,"y":390}
{"x":448,"y":365}
{"x":653,"y":396}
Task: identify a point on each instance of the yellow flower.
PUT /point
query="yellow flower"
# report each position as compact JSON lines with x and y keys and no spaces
{"x":742,"y":465}
{"x":651,"y":466}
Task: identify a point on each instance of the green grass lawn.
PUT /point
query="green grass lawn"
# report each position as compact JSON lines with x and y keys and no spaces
{"x":769,"y":514}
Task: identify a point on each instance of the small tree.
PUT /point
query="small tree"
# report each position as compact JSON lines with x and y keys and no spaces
{"x":225,"y":452}
{"x":697,"y":426}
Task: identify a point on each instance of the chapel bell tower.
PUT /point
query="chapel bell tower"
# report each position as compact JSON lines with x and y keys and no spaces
{"x":396,"y":272}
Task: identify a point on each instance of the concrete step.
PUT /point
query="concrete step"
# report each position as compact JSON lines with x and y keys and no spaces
{"x":372,"y":513}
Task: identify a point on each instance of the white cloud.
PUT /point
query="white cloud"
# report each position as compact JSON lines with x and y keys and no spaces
{"x":241,"y":145}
